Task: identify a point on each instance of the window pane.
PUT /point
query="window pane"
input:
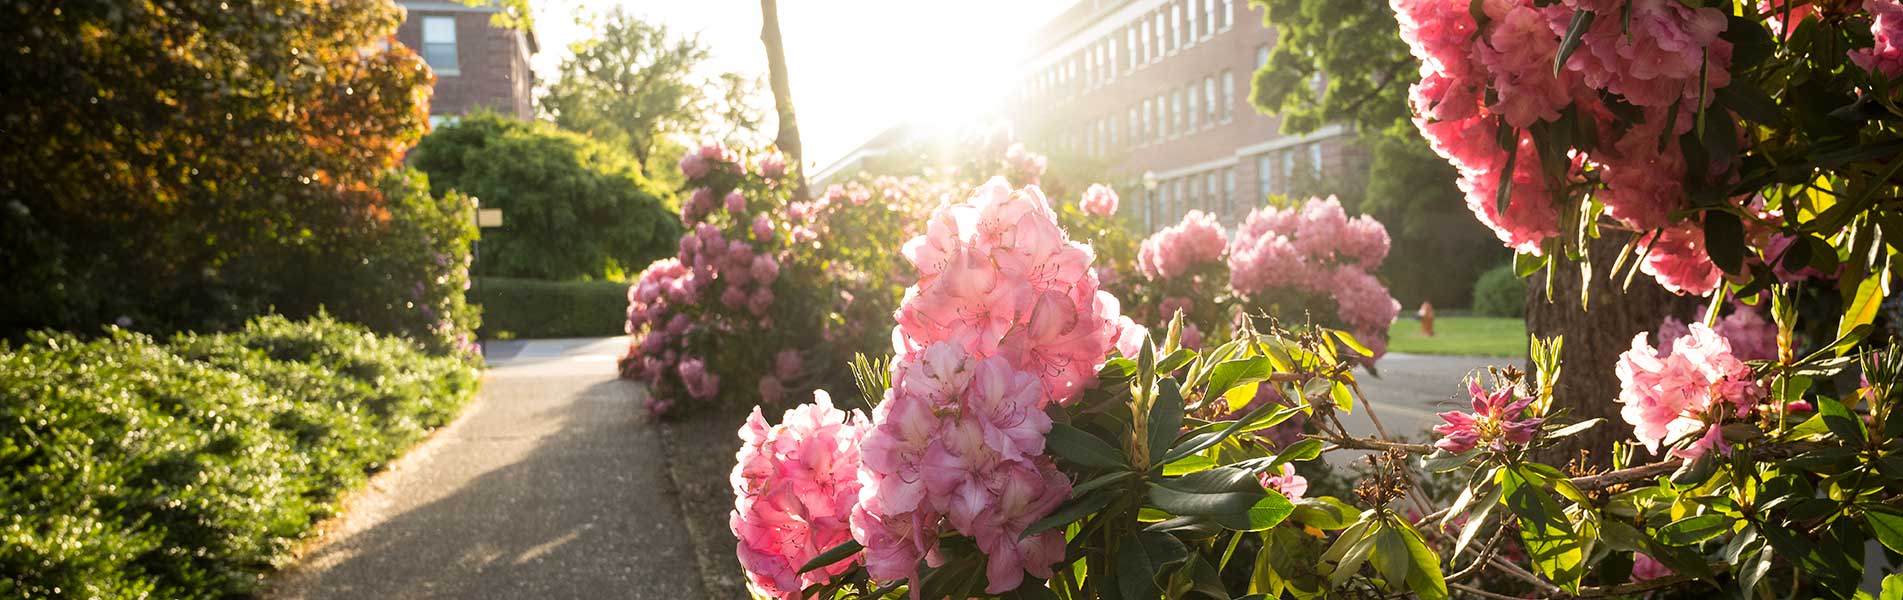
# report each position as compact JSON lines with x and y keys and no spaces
{"x":439,"y":30}
{"x":441,"y":57}
{"x":1228,"y":95}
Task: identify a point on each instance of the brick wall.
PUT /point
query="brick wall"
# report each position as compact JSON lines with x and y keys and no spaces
{"x":493,"y":62}
{"x":1078,"y":93}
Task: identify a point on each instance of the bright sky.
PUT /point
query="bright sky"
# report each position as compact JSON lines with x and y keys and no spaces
{"x":856,"y":66}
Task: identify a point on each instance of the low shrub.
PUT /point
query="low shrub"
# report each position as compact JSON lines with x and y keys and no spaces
{"x":533,"y":308}
{"x":135,"y":468}
{"x":1499,"y":293}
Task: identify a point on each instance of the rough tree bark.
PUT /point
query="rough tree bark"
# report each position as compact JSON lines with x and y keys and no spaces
{"x":788,"y":139}
{"x":1594,"y":338}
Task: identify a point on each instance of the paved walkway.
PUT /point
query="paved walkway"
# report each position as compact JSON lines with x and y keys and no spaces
{"x":549,"y":486}
{"x":553,"y":485}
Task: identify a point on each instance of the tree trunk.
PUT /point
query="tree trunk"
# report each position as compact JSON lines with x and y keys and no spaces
{"x":788,"y":139}
{"x":1588,"y":386}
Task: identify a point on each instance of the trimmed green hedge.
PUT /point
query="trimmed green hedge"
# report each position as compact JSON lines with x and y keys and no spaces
{"x":134,"y":468}
{"x":1499,"y":293}
{"x":533,"y":308}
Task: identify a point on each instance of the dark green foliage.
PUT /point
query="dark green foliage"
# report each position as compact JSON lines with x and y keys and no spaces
{"x":1439,"y":248}
{"x":572,"y":208}
{"x":183,"y":165}
{"x":1499,"y":293}
{"x":134,"y":468}
{"x":529,"y":308}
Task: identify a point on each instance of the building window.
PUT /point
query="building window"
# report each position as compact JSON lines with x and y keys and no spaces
{"x":1180,"y":33}
{"x":1228,"y":95}
{"x":1315,"y":159}
{"x":1149,"y":210}
{"x":1228,"y":15}
{"x":1261,"y":56}
{"x":1198,"y":194}
{"x":1130,"y":48}
{"x":1209,"y":100}
{"x":1263,"y":179}
{"x":1209,"y":16}
{"x":1136,"y":128}
{"x":1110,"y":57}
{"x":1182,"y":199}
{"x":1162,"y":35}
{"x":1196,"y":25}
{"x":1149,"y":127}
{"x":1163,"y":203}
{"x":1229,"y":191}
{"x":439,"y":45}
{"x":1288,"y":169}
{"x":1146,"y":43}
{"x":1176,"y":111}
{"x":1194,"y":115}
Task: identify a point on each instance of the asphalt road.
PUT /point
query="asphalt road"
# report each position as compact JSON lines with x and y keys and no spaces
{"x":549,"y":486}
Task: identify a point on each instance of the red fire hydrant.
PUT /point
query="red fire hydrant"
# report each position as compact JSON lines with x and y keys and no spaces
{"x":1427,"y":318}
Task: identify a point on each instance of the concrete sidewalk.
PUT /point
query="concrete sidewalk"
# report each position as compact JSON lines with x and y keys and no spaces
{"x":551,"y":485}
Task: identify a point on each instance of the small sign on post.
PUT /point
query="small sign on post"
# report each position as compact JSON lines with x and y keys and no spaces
{"x":489,"y":217}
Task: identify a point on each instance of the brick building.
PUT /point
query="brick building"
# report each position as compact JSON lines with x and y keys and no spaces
{"x":477,"y":64}
{"x":1162,"y":87}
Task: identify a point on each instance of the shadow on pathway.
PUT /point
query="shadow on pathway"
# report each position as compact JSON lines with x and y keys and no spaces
{"x":551,"y":486}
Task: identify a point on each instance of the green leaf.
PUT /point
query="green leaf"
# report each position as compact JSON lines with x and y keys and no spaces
{"x":1441,"y":461}
{"x":1324,"y":512}
{"x":1575,"y":428}
{"x":1352,"y":343}
{"x":1478,"y":519}
{"x":1556,"y":551}
{"x":1231,"y":373}
{"x":1101,"y":481}
{"x":1724,"y":240}
{"x":1270,"y":511}
{"x":1176,"y":360}
{"x":832,"y":555}
{"x":1695,"y":529}
{"x":1306,"y":450}
{"x":1350,"y":551}
{"x":1841,"y":422}
{"x":1068,"y":512}
{"x":1166,"y":418}
{"x":1862,"y":310}
{"x":1526,"y":264}
{"x":1224,"y":494}
{"x":1425,"y":578}
{"x":1888,"y":524}
{"x":1257,"y":418}
{"x":1744,"y":97}
{"x":1143,"y":555}
{"x":1081,"y":448}
{"x":1344,"y":400}
{"x":1582,"y":21}
{"x":1892,"y":587}
{"x":1188,"y":464}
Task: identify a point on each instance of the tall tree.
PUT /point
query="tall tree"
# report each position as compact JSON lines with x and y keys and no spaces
{"x":1343,"y":61}
{"x":170,"y":158}
{"x":631,"y":84}
{"x":788,"y":139}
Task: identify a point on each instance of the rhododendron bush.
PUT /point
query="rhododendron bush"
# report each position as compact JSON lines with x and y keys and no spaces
{"x":767,"y":294}
{"x":1031,"y":438}
{"x":1301,"y":262}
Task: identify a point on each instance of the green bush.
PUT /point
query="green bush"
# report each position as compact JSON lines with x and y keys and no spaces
{"x":1498,"y":293}
{"x":532,"y":308}
{"x":573,"y":208}
{"x":132,"y":468}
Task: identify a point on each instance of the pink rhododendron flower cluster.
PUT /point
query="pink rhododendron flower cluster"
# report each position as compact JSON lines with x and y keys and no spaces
{"x":794,"y":488}
{"x":958,"y":445}
{"x":1285,"y":481}
{"x":1023,"y":167}
{"x":1498,"y":419}
{"x":1005,"y":320}
{"x":1483,"y":78}
{"x":722,"y":279}
{"x":1176,"y":250}
{"x":1884,"y":59}
{"x":1684,"y":391}
{"x":1752,"y":337}
{"x":1099,"y":200}
{"x":1318,"y":251}
{"x":997,"y":276}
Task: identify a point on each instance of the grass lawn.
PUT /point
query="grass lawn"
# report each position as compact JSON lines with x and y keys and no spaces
{"x":1468,"y":336}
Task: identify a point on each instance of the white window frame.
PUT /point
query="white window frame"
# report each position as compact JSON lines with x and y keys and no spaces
{"x":430,"y":23}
